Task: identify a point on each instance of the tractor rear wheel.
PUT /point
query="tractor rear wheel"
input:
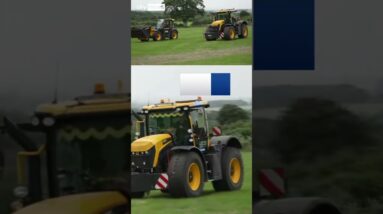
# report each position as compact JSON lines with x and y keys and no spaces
{"x":174,"y":34}
{"x":229,"y":33}
{"x":186,"y":175}
{"x":232,"y":170}
{"x":244,"y":32}
{"x":157,"y":36}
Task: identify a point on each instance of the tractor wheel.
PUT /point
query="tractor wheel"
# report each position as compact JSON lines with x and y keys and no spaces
{"x":232,"y":170}
{"x":244,"y":32}
{"x":174,"y":34}
{"x":186,"y":175}
{"x":229,"y":33}
{"x":157,"y":36}
{"x":140,"y":194}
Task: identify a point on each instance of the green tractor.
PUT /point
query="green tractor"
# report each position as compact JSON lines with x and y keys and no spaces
{"x":226,"y":26}
{"x":165,"y":29}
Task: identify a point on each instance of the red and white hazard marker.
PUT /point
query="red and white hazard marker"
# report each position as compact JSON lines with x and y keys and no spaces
{"x":162,"y":182}
{"x":217,"y":131}
{"x":272,"y":182}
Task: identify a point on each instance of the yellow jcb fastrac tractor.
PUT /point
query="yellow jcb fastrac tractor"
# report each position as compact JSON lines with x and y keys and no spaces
{"x":175,"y":153}
{"x":83,"y":165}
{"x":226,"y":26}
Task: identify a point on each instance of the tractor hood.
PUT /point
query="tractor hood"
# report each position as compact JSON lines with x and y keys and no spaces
{"x":217,"y":23}
{"x":88,"y":203}
{"x":146,"y":143}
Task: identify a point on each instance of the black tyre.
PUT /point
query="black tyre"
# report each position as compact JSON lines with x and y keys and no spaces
{"x":232,"y":170}
{"x":174,"y":34}
{"x":140,"y":194}
{"x":186,"y":175}
{"x":244,"y":32}
{"x":157,"y":36}
{"x":229,"y":33}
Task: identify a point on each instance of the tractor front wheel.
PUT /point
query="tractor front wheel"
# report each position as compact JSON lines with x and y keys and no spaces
{"x":157,"y":36}
{"x":229,"y":33}
{"x":174,"y":34}
{"x":232,"y":170}
{"x":186,"y":175}
{"x":244,"y":32}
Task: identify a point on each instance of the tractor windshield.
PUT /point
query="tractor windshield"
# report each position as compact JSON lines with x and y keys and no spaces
{"x":92,"y":154}
{"x":160,"y":23}
{"x":221,"y":16}
{"x":173,"y":122}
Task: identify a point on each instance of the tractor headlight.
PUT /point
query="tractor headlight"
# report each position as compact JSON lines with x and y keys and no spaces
{"x":190,"y":140}
{"x":190,"y":131}
{"x":137,"y":134}
{"x":35,"y":121}
{"x":49,"y":121}
{"x":186,"y":108}
{"x":20,"y":192}
{"x":178,"y":109}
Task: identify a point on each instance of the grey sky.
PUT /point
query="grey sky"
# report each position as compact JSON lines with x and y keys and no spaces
{"x":152,"y":83}
{"x":209,"y":4}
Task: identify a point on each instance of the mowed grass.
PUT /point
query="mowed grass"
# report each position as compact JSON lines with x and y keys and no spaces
{"x":211,"y":202}
{"x":192,"y":49}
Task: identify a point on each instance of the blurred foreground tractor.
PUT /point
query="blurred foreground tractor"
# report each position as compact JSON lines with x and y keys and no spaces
{"x":165,"y":29}
{"x":226,"y":26}
{"x":174,"y":152}
{"x":83,"y":165}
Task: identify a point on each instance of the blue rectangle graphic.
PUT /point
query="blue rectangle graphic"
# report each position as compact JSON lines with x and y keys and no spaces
{"x":283,"y":35}
{"x":220,"y":84}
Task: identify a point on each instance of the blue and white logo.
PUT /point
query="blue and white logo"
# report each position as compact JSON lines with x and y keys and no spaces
{"x":210,"y":84}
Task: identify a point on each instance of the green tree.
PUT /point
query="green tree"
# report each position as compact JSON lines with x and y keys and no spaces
{"x":231,"y":113}
{"x":184,"y":9}
{"x":312,"y":128}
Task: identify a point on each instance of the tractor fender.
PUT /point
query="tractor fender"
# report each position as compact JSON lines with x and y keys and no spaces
{"x":192,"y":149}
{"x":296,"y":206}
{"x":226,"y":141}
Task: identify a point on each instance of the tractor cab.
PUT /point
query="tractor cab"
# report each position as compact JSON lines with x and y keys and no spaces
{"x":165,"y":23}
{"x":226,"y":16}
{"x":184,"y":121}
{"x":86,"y":147}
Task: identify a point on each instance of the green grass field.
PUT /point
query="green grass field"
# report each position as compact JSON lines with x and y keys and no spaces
{"x":191,"y":48}
{"x":211,"y":202}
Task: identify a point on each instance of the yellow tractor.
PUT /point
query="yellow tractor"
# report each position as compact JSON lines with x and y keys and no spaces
{"x":226,"y":26}
{"x":175,"y":153}
{"x":84,"y":161}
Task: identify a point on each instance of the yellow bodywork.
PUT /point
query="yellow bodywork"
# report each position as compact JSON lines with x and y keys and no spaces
{"x":144,"y":144}
{"x":218,"y":23}
{"x":88,"y":203}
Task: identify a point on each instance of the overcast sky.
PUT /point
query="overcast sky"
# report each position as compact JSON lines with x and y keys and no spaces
{"x":153,"y":83}
{"x":209,"y":4}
